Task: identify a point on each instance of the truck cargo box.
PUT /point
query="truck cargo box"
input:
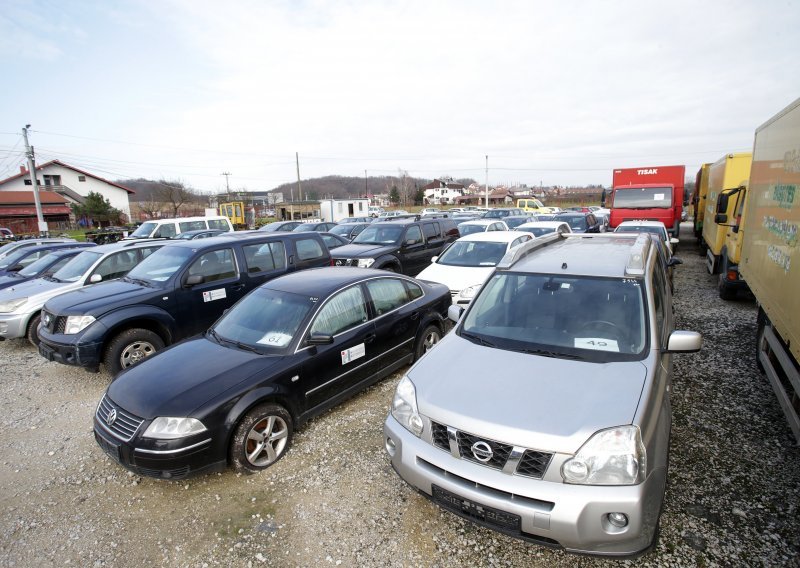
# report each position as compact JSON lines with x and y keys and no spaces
{"x":653,"y":193}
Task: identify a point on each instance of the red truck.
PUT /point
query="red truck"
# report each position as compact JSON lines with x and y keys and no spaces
{"x":649,"y":194}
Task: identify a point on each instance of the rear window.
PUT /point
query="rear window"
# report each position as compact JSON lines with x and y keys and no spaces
{"x":309,"y":249}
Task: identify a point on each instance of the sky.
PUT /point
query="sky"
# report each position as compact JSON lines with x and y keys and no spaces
{"x":554,"y":93}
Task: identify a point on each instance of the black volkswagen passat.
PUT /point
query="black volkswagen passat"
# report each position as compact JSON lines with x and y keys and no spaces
{"x":284,"y":353}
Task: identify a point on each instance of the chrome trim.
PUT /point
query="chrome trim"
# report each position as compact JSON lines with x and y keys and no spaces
{"x":164,"y":452}
{"x":513,"y":460}
{"x":453,"y":441}
{"x":326,"y":383}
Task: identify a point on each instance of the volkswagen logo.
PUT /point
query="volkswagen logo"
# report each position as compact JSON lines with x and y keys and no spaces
{"x":112,"y":417}
{"x":482,"y":451}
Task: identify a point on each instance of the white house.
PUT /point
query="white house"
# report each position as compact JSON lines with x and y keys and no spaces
{"x":442,"y":191}
{"x":72,"y":183}
{"x":337,"y":209}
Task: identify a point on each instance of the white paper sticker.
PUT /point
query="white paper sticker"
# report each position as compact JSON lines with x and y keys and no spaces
{"x":275,"y":338}
{"x":597,"y":343}
{"x":212,"y":295}
{"x":658,"y":197}
{"x":353,"y":353}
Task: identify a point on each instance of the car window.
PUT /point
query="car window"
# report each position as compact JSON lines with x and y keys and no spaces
{"x":192,"y":226}
{"x":387,"y":294}
{"x":218,"y":224}
{"x":77,"y":266}
{"x":214,"y":265}
{"x":432,"y":231}
{"x":116,"y":265}
{"x":472,"y":253}
{"x":414,"y":291}
{"x":519,"y":241}
{"x":308,"y":249}
{"x":659,"y":292}
{"x":159,"y":267}
{"x":341,"y":312}
{"x":167,"y":230}
{"x":265,"y":256}
{"x":147,"y":251}
{"x":414,"y":234}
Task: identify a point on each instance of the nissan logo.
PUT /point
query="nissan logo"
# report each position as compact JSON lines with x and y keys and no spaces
{"x":482,"y":451}
{"x":112,"y":417}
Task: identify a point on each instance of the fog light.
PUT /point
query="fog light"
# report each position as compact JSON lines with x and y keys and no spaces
{"x":390,"y":447}
{"x":619,"y":520}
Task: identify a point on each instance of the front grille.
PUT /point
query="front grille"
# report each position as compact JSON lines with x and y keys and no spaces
{"x":53,"y":323}
{"x":533,"y":463}
{"x":125,"y":424}
{"x":60,"y":324}
{"x":345,"y":262}
{"x":178,"y":473}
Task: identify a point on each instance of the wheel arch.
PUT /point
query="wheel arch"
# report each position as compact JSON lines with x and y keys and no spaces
{"x":159,"y":322}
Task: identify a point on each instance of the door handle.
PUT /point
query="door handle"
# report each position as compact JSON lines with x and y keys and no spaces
{"x":414,"y":315}
{"x":237,"y":287}
{"x":369,"y":338}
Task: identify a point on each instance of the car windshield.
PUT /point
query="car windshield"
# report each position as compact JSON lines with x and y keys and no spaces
{"x":641,"y":229}
{"x":342,"y":230}
{"x":380,"y":234}
{"x":496,"y":214}
{"x":466,"y":229}
{"x":643,"y":198}
{"x":13,"y":258}
{"x":512,"y":222}
{"x":265,"y":319}
{"x":575,"y":222}
{"x":574,"y":317}
{"x":7,"y":247}
{"x":537,"y":231}
{"x":37,"y":266}
{"x":473,"y":253}
{"x":162,"y":264}
{"x":77,"y":267}
{"x":144,"y":230}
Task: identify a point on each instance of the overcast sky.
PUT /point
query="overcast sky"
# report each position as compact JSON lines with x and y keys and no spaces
{"x":553,"y":92}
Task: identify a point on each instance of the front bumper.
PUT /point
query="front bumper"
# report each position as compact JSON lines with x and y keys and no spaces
{"x":86,"y":355}
{"x":13,"y":326}
{"x":540,"y":511}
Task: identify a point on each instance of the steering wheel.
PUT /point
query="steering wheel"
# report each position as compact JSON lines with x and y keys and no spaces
{"x":603,"y":324}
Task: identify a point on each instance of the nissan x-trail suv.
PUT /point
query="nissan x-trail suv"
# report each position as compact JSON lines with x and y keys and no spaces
{"x":545,"y":414}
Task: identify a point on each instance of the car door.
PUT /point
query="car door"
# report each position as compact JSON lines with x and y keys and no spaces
{"x":413,"y":252}
{"x":434,"y":241}
{"x":329,"y":371}
{"x":396,"y":319}
{"x":220,"y":288}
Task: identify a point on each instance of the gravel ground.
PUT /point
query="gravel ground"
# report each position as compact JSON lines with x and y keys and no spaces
{"x":733,"y":494}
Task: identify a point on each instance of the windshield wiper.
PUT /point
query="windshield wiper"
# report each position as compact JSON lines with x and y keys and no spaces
{"x":51,"y":278}
{"x":246,"y":347}
{"x":219,"y":339}
{"x":476,"y":339}
{"x":546,"y":353}
{"x":137,"y":281}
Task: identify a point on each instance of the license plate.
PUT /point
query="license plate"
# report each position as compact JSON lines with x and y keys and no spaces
{"x":473,"y":510}
{"x":45,"y":351}
{"x":108,"y":447}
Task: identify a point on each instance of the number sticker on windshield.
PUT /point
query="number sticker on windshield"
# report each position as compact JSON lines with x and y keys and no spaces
{"x":275,"y":339}
{"x":597,"y":343}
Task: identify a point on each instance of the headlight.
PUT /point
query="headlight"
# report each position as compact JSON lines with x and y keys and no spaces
{"x":611,"y":457}
{"x":11,"y":305}
{"x":404,"y":407}
{"x":76,"y":324}
{"x":469,"y":292}
{"x":365,"y":262}
{"x":166,"y":428}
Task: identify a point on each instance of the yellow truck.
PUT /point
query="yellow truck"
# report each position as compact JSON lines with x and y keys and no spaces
{"x":770,"y":257}
{"x":240,"y":216}
{"x":699,"y":203}
{"x":533,"y":205}
{"x":730,"y":281}
{"x":726,"y":180}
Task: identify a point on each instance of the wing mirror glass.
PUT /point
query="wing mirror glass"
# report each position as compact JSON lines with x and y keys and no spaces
{"x":194,"y":280}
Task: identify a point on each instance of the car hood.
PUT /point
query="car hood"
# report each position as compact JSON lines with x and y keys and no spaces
{"x":528,"y":400}
{"x":362,"y":251}
{"x":99,"y":298}
{"x":180,"y":379}
{"x":38,"y":290}
{"x":455,"y":277}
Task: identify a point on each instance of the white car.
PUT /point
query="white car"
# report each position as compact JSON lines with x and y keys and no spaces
{"x":480,"y":226}
{"x":430,"y":211}
{"x":374,"y":210}
{"x":539,"y":228}
{"x":654,"y":227}
{"x":464,"y":265}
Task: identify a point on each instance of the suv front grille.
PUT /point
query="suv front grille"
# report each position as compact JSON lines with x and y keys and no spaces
{"x":345,"y":262}
{"x":125,"y":424}
{"x":55,"y":324}
{"x":531,"y":463}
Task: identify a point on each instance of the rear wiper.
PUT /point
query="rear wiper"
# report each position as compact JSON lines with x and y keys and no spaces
{"x":476,"y":339}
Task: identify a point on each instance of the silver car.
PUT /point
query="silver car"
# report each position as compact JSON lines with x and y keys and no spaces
{"x":545,"y":414}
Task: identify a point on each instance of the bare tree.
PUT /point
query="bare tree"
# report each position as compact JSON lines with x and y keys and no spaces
{"x":405,"y":185}
{"x":175,"y":193}
{"x":151,"y":207}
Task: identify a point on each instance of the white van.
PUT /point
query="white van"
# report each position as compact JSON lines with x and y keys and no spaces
{"x":169,"y":228}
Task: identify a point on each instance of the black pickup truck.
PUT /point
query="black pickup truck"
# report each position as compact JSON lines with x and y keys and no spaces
{"x":176,"y":292}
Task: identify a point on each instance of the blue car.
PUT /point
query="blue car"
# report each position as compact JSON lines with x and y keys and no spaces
{"x":44,"y":266}
{"x":21,"y":258}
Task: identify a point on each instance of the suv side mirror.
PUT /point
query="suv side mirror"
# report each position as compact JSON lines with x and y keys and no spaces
{"x":410,"y":242}
{"x":684,"y":342}
{"x":195,"y":279}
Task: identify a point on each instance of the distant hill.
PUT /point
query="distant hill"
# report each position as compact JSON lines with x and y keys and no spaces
{"x":147,"y":190}
{"x":341,"y":187}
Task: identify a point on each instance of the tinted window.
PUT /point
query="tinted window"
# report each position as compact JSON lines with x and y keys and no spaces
{"x":214,"y":265}
{"x":192,"y":226}
{"x":432,"y":231}
{"x":266,"y":256}
{"x":159,"y":267}
{"x":308,"y":249}
{"x":116,"y":265}
{"x":218,"y":224}
{"x":380,"y":234}
{"x":659,"y":291}
{"x":414,"y":291}
{"x":414,"y":233}
{"x":166,"y":230}
{"x":387,"y":294}
{"x":145,"y":252}
{"x":341,"y":312}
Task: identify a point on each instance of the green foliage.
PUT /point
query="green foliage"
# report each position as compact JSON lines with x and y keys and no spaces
{"x":394,"y":195}
{"x":97,"y":209}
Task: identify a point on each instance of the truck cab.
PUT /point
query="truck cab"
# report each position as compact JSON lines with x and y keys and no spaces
{"x":653,"y":193}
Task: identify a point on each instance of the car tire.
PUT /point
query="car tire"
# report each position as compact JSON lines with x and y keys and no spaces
{"x":726,"y":291}
{"x":33,"y":330}
{"x":390,"y":268}
{"x":426,"y":341}
{"x":131,"y":347}
{"x":261,"y":438}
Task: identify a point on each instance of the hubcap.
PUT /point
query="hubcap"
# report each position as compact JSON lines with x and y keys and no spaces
{"x":135,"y":352}
{"x":266,"y":441}
{"x":430,"y":340}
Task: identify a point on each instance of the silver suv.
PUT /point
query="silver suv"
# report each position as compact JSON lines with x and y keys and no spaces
{"x":545,"y":414}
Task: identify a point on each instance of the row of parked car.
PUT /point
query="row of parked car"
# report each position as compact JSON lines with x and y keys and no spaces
{"x":222,"y":348}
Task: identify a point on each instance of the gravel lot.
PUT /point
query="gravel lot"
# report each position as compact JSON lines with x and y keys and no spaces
{"x":733,"y":494}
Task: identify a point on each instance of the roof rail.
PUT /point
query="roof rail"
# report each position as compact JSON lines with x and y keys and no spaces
{"x":528,"y":247}
{"x":638,"y":258}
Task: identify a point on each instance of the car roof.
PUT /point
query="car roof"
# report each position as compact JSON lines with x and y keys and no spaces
{"x":492,"y":236}
{"x":658,"y":224}
{"x":576,"y":254}
{"x":121,"y":245}
{"x":541,"y":224}
{"x":322,"y":281}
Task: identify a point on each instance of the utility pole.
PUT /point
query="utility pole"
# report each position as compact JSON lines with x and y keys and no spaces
{"x":227,"y":185}
{"x":299,"y":188}
{"x":487,"y":181}
{"x":32,"y":171}
{"x":366,"y":190}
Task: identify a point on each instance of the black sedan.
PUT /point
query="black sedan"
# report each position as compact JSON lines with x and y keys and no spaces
{"x":289,"y":350}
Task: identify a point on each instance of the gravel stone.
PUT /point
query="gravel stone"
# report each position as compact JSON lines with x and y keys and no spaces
{"x":733,"y":495}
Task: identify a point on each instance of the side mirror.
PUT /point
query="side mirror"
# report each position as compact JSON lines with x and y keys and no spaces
{"x":320,"y":339}
{"x":195,"y":279}
{"x":674,"y":241}
{"x":15,"y":268}
{"x":684,"y":342}
{"x":722,"y":203}
{"x":720,"y":218}
{"x":95,"y":278}
{"x":434,"y":259}
{"x":454,"y":313}
{"x":410,"y":242}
